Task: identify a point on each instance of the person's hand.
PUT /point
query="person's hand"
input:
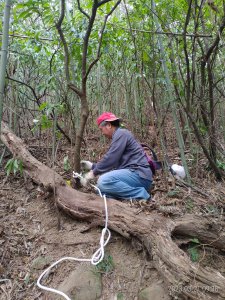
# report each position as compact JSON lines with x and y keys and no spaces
{"x":86,"y":165}
{"x":86,"y":178}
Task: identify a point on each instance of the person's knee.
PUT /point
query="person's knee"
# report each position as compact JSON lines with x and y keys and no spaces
{"x":103,"y":182}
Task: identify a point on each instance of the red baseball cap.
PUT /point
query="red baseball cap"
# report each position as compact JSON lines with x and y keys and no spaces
{"x":107,"y":116}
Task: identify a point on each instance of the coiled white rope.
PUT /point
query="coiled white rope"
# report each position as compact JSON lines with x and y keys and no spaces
{"x":96,"y":258}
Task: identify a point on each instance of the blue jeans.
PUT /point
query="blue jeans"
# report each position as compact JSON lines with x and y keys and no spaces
{"x":124,"y":184}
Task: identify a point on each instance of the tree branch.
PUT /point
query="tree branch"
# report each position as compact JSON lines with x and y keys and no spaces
{"x":39,"y":103}
{"x":81,"y":10}
{"x":215,"y":43}
{"x":90,"y":67}
{"x":63,"y":40}
{"x":75,"y":89}
{"x":85,"y":45}
{"x":104,"y":25}
{"x":65,"y":46}
{"x":103,"y":2}
{"x":219,"y":173}
{"x":27,"y":37}
{"x":27,"y":85}
{"x":100,"y":40}
{"x":197,"y":35}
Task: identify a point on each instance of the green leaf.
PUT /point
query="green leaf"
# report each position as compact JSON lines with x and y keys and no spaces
{"x":195,"y":240}
{"x":221,"y":164}
{"x":120,"y":296}
{"x":43,"y":106}
{"x":37,"y":48}
{"x":9,"y":162}
{"x":45,"y":122}
{"x":19,"y":6}
{"x":9,"y":166}
{"x":194,"y":254}
{"x":106,"y":265}
{"x":14,"y":165}
{"x":25,"y":14}
{"x":145,"y":57}
{"x":66,"y":164}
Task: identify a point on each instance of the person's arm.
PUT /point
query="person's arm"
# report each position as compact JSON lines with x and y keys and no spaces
{"x":112,"y":157}
{"x":86,"y":177}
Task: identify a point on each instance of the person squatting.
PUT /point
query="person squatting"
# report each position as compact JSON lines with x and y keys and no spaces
{"x":124,"y":170}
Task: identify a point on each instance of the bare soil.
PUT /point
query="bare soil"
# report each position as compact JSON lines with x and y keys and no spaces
{"x":29,"y":230}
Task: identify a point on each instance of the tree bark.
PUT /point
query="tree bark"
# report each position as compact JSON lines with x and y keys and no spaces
{"x":184,"y":279}
{"x":4,"y":52}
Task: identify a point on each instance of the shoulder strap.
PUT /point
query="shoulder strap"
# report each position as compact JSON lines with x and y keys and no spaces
{"x":152,"y":151}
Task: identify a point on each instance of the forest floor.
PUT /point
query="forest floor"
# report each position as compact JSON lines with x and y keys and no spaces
{"x":33,"y":234}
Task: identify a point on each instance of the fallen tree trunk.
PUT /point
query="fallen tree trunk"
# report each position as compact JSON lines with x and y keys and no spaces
{"x":182,"y":278}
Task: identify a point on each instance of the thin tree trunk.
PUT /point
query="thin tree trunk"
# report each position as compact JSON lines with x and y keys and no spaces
{"x":85,"y":68}
{"x":4,"y":51}
{"x":212,"y":132}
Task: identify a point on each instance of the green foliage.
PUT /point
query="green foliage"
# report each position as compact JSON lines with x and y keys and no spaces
{"x":193,"y":250}
{"x":120,"y":296}
{"x":106,"y":265}
{"x":221,"y":164}
{"x":194,"y":254}
{"x":66,"y":163}
{"x":45,"y":120}
{"x":14,"y":165}
{"x":202,"y":128}
{"x":130,"y":56}
{"x":195,"y":241}
{"x":49,"y":108}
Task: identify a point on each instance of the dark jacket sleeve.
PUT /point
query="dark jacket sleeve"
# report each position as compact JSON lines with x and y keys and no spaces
{"x":112,"y":157}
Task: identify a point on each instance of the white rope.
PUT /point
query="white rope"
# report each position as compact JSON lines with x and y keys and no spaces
{"x":96,"y":258}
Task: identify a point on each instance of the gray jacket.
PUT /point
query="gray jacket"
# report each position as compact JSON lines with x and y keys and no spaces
{"x":124,"y":153}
